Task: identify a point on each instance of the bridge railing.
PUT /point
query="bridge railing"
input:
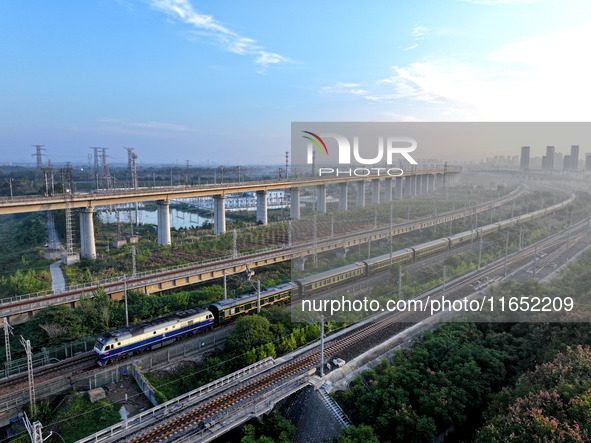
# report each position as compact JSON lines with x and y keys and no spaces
{"x":153,"y":276}
{"x":59,"y":198}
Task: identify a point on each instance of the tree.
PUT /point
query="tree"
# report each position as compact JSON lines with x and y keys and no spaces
{"x":250,"y":332}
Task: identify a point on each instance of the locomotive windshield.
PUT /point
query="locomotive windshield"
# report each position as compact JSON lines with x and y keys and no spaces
{"x":99,"y":343}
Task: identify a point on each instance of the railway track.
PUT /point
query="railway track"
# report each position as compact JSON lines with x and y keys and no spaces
{"x":80,"y":363}
{"x":27,"y":302}
{"x":356,"y":338}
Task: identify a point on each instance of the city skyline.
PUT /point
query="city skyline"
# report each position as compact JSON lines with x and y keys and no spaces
{"x":178,"y":80}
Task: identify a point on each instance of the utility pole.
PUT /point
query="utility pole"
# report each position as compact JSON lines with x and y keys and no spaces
{"x":7,"y":333}
{"x":9,"y":181}
{"x":480,"y":251}
{"x":520,"y":237}
{"x":444,"y":269}
{"x":321,"y":345}
{"x":315,"y":256}
{"x":225,"y":284}
{"x":27,"y":346}
{"x":506,"y":253}
{"x":35,"y":430}
{"x":133,"y":266}
{"x":258,"y":296}
{"x":286,"y":164}
{"x":391,"y":216}
{"x":125,"y":298}
{"x":399,"y":282}
{"x":535,"y":260}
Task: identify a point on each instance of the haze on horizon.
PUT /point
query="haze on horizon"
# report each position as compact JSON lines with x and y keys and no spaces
{"x":221,"y":83}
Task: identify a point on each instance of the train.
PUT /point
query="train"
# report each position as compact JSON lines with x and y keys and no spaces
{"x":158,"y":332}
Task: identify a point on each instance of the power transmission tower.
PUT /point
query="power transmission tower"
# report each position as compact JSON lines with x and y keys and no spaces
{"x":106,"y":173}
{"x":131,"y":158}
{"x":27,"y":346}
{"x":7,"y":333}
{"x":95,"y":169}
{"x":39,"y":155}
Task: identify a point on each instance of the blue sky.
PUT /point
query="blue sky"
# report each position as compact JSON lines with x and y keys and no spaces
{"x":221,"y":81}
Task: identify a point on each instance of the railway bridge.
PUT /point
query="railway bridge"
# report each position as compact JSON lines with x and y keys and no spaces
{"x":19,"y":309}
{"x":407,"y":185}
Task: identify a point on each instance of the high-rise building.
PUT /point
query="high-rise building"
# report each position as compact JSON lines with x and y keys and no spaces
{"x":566,"y":163}
{"x":549,"y":158}
{"x":524,"y":163}
{"x":588,"y":162}
{"x":574,"y":157}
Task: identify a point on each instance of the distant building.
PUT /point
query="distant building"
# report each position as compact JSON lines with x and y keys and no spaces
{"x":549,"y":164}
{"x":588,"y":162}
{"x":574,"y":157}
{"x":566,"y":163}
{"x":524,"y":163}
{"x":558,"y":159}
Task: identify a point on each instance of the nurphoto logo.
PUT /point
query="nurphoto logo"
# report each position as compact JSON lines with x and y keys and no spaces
{"x":354,"y":149}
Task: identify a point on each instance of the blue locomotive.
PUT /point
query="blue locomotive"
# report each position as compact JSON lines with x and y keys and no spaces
{"x":150,"y":335}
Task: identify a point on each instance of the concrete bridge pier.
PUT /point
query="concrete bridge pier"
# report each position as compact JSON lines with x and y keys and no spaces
{"x":343,"y":196}
{"x":262,"y":207}
{"x":408,"y":186}
{"x":342,"y":252}
{"x":294,"y":204}
{"x":387,"y":189}
{"x":375,"y":191}
{"x":163,"y":222}
{"x":417,"y":185}
{"x":430,"y":183}
{"x":87,"y":246}
{"x":298,"y":263}
{"x":219,"y":214}
{"x":321,"y":199}
{"x":361,"y":193}
{"x":398,"y":190}
{"x":424,"y":184}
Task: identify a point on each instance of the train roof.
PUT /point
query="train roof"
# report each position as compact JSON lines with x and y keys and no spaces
{"x":381,"y":258}
{"x":152,"y":325}
{"x":462,"y":234}
{"x":245,"y":298}
{"x":330,"y":273}
{"x":431,"y":243}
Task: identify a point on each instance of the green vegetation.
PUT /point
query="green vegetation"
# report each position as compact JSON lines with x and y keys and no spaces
{"x":22,"y":237}
{"x":460,"y":370}
{"x":274,"y":428}
{"x":255,"y":337}
{"x":550,"y":403}
{"x":75,"y":419}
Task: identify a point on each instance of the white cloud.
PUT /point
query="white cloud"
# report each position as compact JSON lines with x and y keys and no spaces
{"x":232,"y":42}
{"x":418,"y":32}
{"x":344,"y":88}
{"x":544,"y":78}
{"x":416,"y":45}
